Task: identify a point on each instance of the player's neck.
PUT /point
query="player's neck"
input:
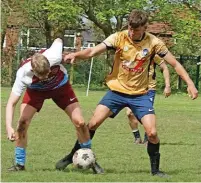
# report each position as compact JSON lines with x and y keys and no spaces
{"x":138,"y":40}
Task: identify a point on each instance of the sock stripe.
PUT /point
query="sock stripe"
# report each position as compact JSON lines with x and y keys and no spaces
{"x":20,"y":156}
{"x":86,"y":144}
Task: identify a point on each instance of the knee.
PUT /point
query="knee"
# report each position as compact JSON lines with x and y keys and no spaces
{"x":152,"y":134}
{"x":93,"y":125}
{"x":22,"y":127}
{"x":23,"y":124}
{"x":129,"y":113}
{"x":79,"y":123}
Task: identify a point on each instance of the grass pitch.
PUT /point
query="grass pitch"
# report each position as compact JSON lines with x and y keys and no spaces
{"x":52,"y":135}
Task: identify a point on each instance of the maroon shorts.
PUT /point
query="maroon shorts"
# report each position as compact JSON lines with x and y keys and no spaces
{"x":62,"y":96}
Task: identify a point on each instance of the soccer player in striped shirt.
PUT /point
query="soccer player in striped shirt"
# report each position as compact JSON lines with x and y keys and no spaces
{"x":44,"y":77}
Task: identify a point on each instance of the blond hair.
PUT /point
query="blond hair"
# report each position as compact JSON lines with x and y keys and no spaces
{"x":137,"y":18}
{"x":40,"y":64}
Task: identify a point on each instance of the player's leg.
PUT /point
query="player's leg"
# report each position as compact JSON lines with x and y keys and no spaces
{"x":153,"y":143}
{"x":145,"y":141}
{"x":26,"y":114}
{"x":105,"y":109}
{"x":95,"y":121}
{"x":151,"y":93}
{"x":65,"y":98}
{"x":74,"y":112}
{"x":133,"y":122}
{"x":110,"y":105}
{"x":153,"y":146}
{"x":144,"y":111}
{"x":32,"y":102}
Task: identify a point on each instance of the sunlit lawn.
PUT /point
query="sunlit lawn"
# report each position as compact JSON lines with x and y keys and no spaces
{"x":52,"y":135}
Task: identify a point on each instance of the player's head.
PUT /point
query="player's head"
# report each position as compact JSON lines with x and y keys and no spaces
{"x":137,"y":24}
{"x":40,"y":66}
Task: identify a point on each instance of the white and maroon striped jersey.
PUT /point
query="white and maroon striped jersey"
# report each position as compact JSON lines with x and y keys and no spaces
{"x":57,"y":77}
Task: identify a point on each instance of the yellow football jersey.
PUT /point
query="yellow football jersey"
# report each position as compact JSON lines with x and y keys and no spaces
{"x":132,"y":60}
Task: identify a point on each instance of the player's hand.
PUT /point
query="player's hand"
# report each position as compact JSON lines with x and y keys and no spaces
{"x":192,"y":91}
{"x":11,"y":134}
{"x":167,"y":91}
{"x":69,"y":58}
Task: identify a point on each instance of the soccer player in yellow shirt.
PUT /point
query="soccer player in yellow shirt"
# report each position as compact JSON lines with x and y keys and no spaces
{"x":133,"y":121}
{"x":128,"y":82}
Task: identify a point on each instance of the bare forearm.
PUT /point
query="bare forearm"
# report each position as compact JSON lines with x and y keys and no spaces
{"x":9,"y":114}
{"x":84,"y":54}
{"x":166,"y":76}
{"x":178,"y":68}
{"x":10,"y":108}
{"x":183,"y":74}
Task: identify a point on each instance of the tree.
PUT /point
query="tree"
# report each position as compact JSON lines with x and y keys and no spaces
{"x":184,"y":20}
{"x":6,"y":7}
{"x":52,"y":16}
{"x":108,"y":15}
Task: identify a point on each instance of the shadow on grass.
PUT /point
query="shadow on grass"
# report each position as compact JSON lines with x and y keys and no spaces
{"x":89,"y":171}
{"x":106,"y":171}
{"x":193,"y":171}
{"x":126,"y":171}
{"x":177,"y":144}
{"x":67,"y":170}
{"x":171,"y":173}
{"x":72,"y":170}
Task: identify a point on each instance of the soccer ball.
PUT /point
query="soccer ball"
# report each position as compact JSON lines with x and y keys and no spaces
{"x":84,"y":158}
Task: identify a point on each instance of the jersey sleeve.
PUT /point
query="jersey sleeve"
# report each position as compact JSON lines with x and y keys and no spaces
{"x":54,"y":53}
{"x":158,"y":60}
{"x":18,"y":86}
{"x":161,"y":48}
{"x":111,"y":41}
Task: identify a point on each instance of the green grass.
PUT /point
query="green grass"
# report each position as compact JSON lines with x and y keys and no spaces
{"x":52,"y":135}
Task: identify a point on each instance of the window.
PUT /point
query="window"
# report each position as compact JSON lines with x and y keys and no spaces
{"x":24,"y":38}
{"x":36,"y":39}
{"x":88,"y":45}
{"x":91,"y":44}
{"x":32,"y":38}
{"x":69,"y":41}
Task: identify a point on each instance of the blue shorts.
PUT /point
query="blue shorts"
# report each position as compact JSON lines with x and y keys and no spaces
{"x":140,"y":105}
{"x":151,"y":94}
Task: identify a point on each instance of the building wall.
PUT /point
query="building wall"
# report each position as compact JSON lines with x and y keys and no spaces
{"x":11,"y":39}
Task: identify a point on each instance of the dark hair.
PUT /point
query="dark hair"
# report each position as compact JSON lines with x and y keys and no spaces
{"x":137,"y":18}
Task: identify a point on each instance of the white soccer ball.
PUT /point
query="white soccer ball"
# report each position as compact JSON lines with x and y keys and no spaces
{"x":84,"y":158}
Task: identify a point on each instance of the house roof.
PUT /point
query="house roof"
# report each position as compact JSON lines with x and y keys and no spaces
{"x":159,"y":28}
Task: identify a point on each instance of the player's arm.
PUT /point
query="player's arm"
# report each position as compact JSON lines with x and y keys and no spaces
{"x":10,"y":108}
{"x":193,"y":92}
{"x":85,"y":54}
{"x":108,"y":43}
{"x":54,"y":53}
{"x":166,"y":75}
{"x":17,"y":90}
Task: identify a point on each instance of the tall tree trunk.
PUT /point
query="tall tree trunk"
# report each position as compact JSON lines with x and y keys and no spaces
{"x":48,"y":34}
